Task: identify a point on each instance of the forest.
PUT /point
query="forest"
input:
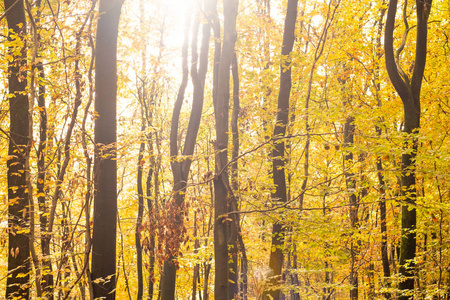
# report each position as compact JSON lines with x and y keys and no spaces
{"x":234,"y":149}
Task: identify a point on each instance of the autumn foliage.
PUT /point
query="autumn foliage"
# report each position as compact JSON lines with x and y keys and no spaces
{"x":255,"y":159}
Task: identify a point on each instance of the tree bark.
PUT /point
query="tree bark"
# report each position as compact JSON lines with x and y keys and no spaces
{"x":409,"y":92}
{"x":379,"y":166}
{"x":278,"y":153}
{"x":17,"y":283}
{"x":152,"y":211}
{"x":181,"y":165}
{"x":47,"y":278}
{"x":105,"y":177}
{"x":140,"y":214}
{"x":383,"y":225}
{"x":142,"y":97}
{"x":221,"y":180}
{"x":89,"y":182}
{"x":154,"y":144}
{"x":349,"y":131}
{"x":196,"y":276}
{"x":234,"y":231}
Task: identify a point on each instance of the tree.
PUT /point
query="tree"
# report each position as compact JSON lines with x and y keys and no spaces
{"x":379,"y":163}
{"x":238,"y":277}
{"x":47,"y":278}
{"x":222,"y":189}
{"x":19,"y":266}
{"x":181,"y":164}
{"x":105,"y":177}
{"x":409,"y":91}
{"x":278,"y":152}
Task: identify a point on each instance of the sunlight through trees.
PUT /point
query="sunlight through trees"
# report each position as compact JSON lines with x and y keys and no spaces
{"x":205,"y":149}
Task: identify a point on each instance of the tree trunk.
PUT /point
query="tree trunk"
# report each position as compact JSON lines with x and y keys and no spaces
{"x":152,"y":173}
{"x":221,"y":180}
{"x":349,"y":131}
{"x":18,"y":152}
{"x":409,"y":92}
{"x":142,"y":98}
{"x":234,"y":230}
{"x":380,"y":170}
{"x":383,"y":226}
{"x":140,"y":214}
{"x":89,"y":182}
{"x":41,"y":180}
{"x":181,"y":165}
{"x":105,"y":199}
{"x":278,"y":153}
{"x":153,"y":141}
{"x":196,"y":276}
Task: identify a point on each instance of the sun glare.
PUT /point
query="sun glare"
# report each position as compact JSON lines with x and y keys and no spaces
{"x":173,"y":14}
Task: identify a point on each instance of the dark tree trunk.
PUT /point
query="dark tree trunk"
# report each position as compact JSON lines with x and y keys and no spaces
{"x":168,"y":276}
{"x":221,"y":180}
{"x":142,"y":98}
{"x":207,"y":271}
{"x":181,"y":165}
{"x":154,"y":144}
{"x":409,"y":92}
{"x":18,"y":152}
{"x":349,"y":131}
{"x":278,"y":152}
{"x":383,"y":226}
{"x":47,"y":277}
{"x":234,"y":230}
{"x":152,"y":211}
{"x":89,"y":182}
{"x":196,"y":276}
{"x":105,"y":177}
{"x":238,"y":272}
{"x":140,"y":214}
{"x":380,"y":170}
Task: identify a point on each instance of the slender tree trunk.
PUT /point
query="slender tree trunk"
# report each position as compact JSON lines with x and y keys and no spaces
{"x":142,"y":97}
{"x":265,"y":39}
{"x":221,"y":180}
{"x":383,"y":223}
{"x":140,"y":214}
{"x":379,"y":166}
{"x":153,"y":141}
{"x":216,"y":62}
{"x":105,"y":199}
{"x":207,"y":271}
{"x":238,"y":288}
{"x":196,"y":276}
{"x":33,"y":95}
{"x":350,"y":182}
{"x":409,"y":92}
{"x":181,"y":165}
{"x":234,"y":231}
{"x":349,"y":130}
{"x":152,"y":173}
{"x":18,"y":219}
{"x":168,"y":276}
{"x":41,"y":180}
{"x":88,"y":159}
{"x":278,"y":153}
{"x":327,"y":289}
{"x":383,"y":227}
